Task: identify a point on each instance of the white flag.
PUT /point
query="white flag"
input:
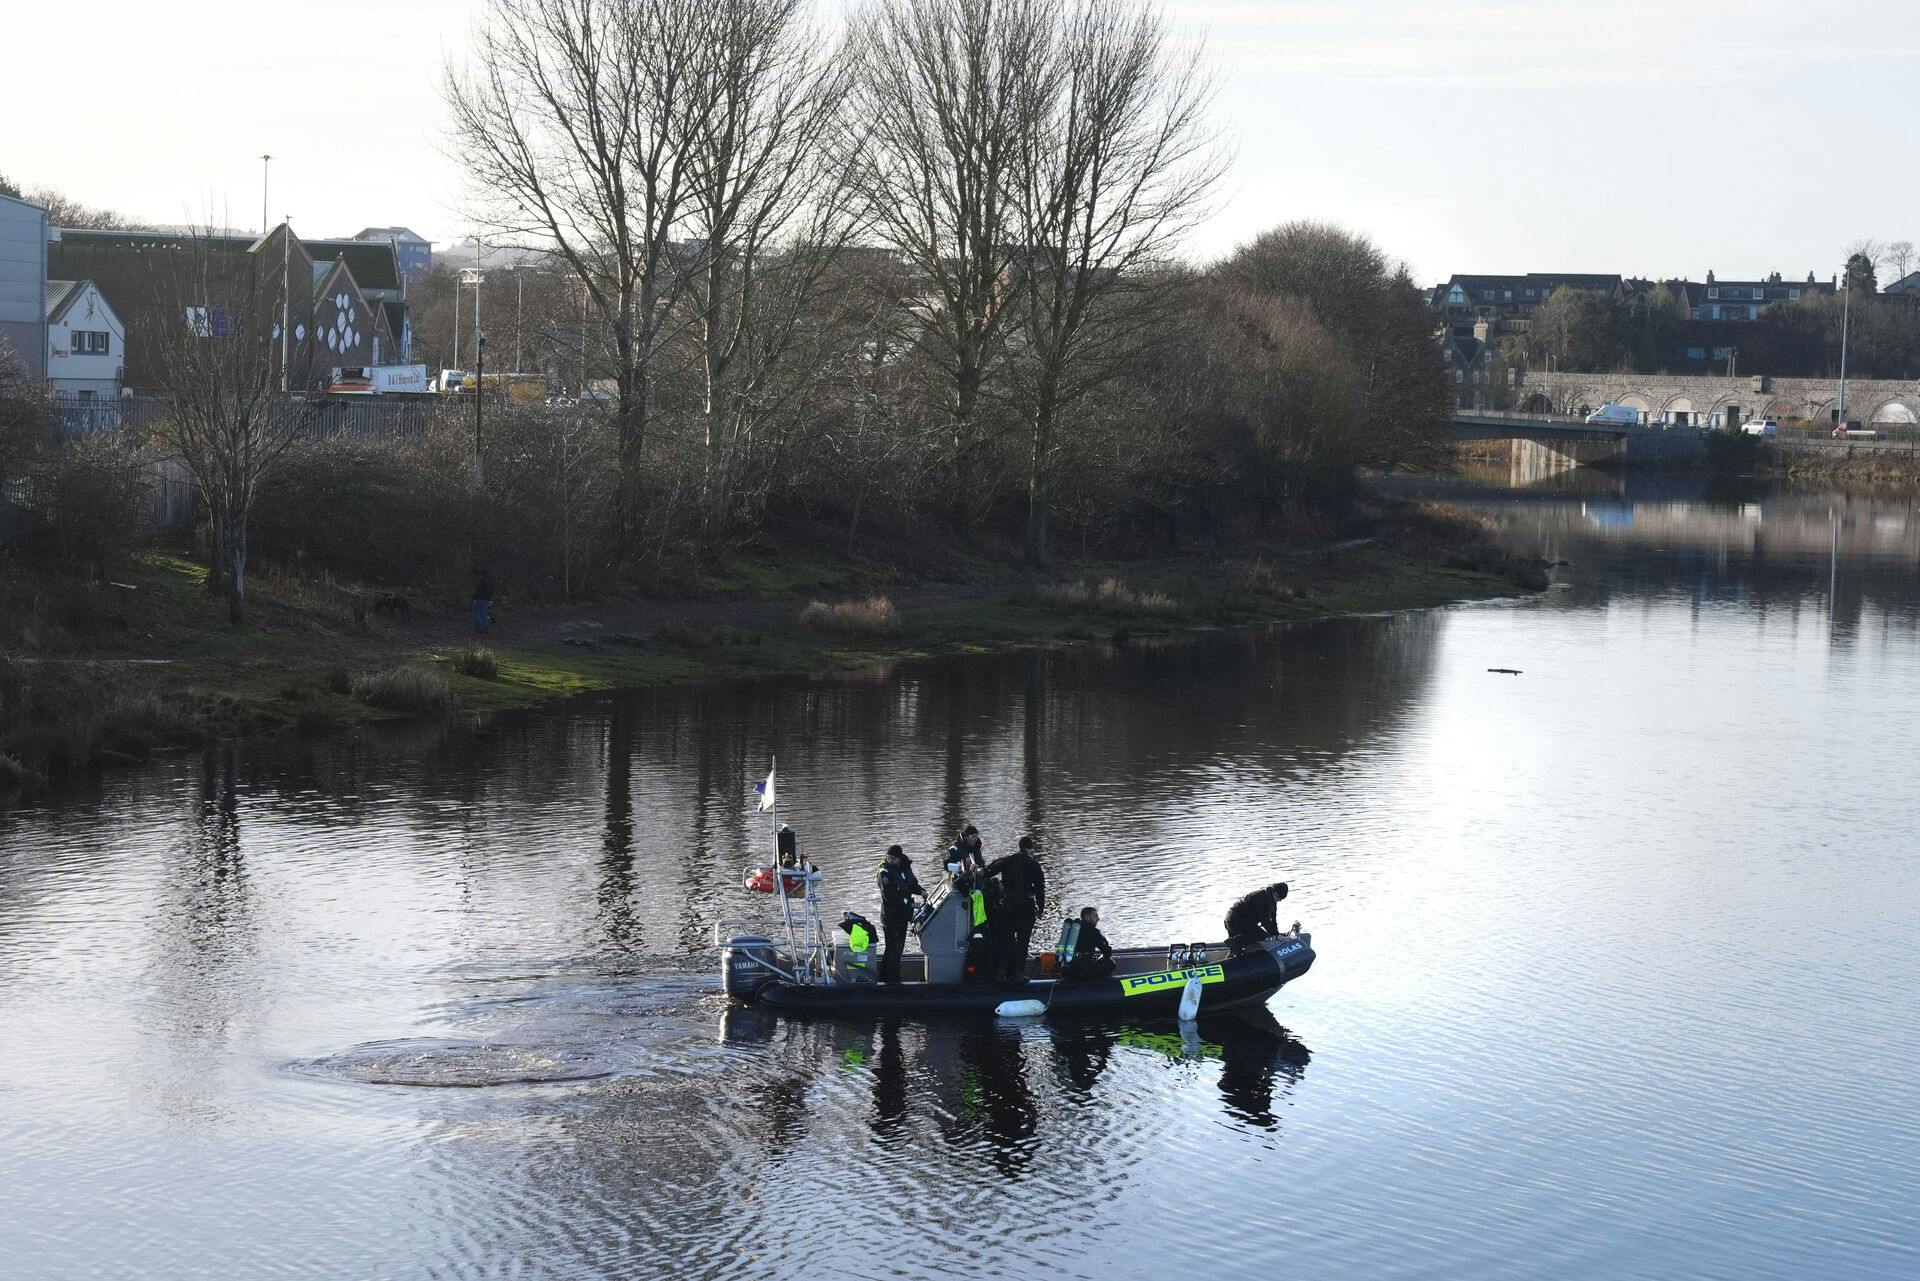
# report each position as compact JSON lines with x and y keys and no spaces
{"x":766,"y":792}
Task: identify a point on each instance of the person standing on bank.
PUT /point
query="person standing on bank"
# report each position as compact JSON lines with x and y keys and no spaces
{"x":1023,"y":885}
{"x":898,"y":888}
{"x":483,"y":602}
{"x":1255,"y":918}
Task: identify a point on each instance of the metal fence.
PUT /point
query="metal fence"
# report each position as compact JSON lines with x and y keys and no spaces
{"x":370,"y":417}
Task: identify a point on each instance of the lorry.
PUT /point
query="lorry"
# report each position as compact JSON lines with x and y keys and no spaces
{"x":1615,"y":416}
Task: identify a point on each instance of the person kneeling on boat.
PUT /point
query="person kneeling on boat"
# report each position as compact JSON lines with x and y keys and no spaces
{"x":1255,"y":918}
{"x":1092,"y":954}
{"x":898,"y":888}
{"x":859,"y":955}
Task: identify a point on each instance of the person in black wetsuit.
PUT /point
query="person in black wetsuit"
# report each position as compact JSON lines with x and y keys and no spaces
{"x":1023,"y":885}
{"x":898,"y":888}
{"x":1092,"y":955}
{"x":1255,"y":918}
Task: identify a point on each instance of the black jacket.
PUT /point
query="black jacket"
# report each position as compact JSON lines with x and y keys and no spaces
{"x":1257,"y":913}
{"x":483,"y":589}
{"x":1025,"y":882}
{"x":897,"y":885}
{"x":1092,"y":943}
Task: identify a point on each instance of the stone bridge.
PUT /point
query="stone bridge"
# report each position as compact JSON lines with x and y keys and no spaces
{"x":1713,"y":402}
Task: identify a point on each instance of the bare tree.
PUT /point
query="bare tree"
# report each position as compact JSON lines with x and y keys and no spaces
{"x":1116,"y":162}
{"x":772,"y":206}
{"x":580,"y":123}
{"x":1899,"y":256}
{"x":215,"y":346}
{"x":940,"y":95}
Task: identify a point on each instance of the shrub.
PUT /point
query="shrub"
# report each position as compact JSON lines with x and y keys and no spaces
{"x":71,"y":716}
{"x":1108,"y":596}
{"x":476,"y":661}
{"x":338,"y":681}
{"x":1058,"y":595}
{"x":403,"y":689}
{"x":16,"y":777}
{"x":874,"y":616}
{"x":1258,"y":579}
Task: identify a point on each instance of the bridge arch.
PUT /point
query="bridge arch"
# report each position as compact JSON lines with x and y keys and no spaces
{"x":1729,"y":410}
{"x":1677,"y":406}
{"x":1536,"y":403}
{"x":1893,"y":412}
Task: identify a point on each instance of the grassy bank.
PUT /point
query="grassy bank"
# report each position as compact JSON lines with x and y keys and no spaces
{"x":1877,"y":468}
{"x":140,"y":661}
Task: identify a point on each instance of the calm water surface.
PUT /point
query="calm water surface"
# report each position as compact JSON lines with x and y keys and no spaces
{"x":1617,"y":969}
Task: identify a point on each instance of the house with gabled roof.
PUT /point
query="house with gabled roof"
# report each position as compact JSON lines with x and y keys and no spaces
{"x":347,"y":291}
{"x":86,"y":342}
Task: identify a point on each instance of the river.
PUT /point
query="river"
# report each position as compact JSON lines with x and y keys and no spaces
{"x":1616,"y":970}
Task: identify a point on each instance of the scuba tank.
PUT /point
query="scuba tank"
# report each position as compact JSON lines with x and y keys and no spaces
{"x":1069,"y":941}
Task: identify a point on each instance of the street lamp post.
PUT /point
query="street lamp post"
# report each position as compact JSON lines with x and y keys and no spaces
{"x":479,"y":399}
{"x":1846,"y":316}
{"x":266,"y":162}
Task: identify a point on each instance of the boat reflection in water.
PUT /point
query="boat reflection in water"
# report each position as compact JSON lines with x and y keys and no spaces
{"x":1012,"y":1091}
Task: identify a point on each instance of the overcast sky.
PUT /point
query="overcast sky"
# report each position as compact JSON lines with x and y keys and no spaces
{"x":1650,"y":137}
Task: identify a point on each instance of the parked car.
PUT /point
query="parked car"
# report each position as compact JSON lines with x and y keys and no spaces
{"x":1761,"y":427}
{"x":1615,"y":416}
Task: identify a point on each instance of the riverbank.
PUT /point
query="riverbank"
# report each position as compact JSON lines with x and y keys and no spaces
{"x":142,"y":661}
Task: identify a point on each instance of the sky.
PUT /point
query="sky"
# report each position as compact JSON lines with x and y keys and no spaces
{"x":1650,"y":137}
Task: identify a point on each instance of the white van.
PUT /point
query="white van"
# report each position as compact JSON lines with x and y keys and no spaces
{"x":1615,"y":416}
{"x":1761,"y":427}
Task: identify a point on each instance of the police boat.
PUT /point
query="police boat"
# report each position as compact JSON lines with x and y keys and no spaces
{"x":814,"y":974}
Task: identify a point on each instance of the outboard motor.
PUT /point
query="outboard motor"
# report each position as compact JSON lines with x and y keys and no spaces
{"x":744,"y":965}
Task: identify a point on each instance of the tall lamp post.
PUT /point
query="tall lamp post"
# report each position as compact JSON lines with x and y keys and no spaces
{"x":266,"y":162}
{"x":1846,"y":316}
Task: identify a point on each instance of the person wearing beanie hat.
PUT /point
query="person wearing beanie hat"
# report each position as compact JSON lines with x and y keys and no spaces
{"x":898,"y":888}
{"x":1255,"y":918}
{"x":964,"y":854}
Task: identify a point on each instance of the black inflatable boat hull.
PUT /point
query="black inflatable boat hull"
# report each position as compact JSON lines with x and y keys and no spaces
{"x":1226,"y":983}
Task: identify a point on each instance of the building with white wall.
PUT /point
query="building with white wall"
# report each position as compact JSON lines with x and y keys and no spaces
{"x":86,"y":341}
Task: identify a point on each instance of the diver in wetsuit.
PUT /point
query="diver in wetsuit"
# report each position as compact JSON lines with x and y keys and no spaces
{"x":1092,"y":955}
{"x":898,"y":888}
{"x":1023,"y":884}
{"x":1255,"y":918}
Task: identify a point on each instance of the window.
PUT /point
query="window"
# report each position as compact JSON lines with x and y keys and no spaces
{"x":1509,"y":297}
{"x":88,"y":342}
{"x":1486,"y":357}
{"x":1713,"y":293}
{"x":1793,"y":293}
{"x":1486,"y":295}
{"x":1753,"y":313}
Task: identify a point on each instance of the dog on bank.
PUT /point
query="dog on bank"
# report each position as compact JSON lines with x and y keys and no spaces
{"x":394,"y":604}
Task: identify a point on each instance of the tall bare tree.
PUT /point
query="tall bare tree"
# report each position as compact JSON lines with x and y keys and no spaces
{"x":1116,"y":162}
{"x":941,"y":90}
{"x":580,"y":124}
{"x":772,"y":207}
{"x":215,"y":345}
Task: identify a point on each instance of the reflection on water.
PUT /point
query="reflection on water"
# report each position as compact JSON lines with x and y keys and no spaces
{"x":1615,"y":975}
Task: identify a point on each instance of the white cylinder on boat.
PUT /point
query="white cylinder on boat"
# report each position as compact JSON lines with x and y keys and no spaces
{"x":1190,"y":998}
{"x":1020,"y":1009}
